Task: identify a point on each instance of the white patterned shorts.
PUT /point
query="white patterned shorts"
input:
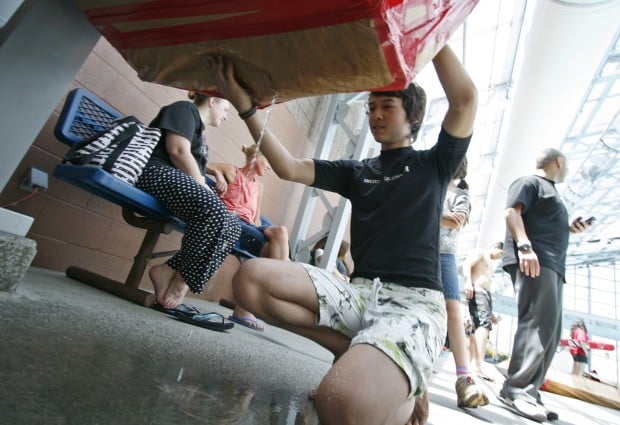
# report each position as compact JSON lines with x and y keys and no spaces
{"x":407,"y":324}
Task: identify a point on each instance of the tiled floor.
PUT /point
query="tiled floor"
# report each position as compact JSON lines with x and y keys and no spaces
{"x":72,"y":354}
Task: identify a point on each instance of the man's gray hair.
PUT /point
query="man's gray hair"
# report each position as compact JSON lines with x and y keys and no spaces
{"x":547,"y":156}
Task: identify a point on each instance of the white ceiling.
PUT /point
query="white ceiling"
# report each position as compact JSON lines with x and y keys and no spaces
{"x":548,"y":75}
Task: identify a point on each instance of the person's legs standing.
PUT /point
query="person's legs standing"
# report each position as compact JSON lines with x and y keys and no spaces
{"x":473,"y":351}
{"x":519,"y":374}
{"x":579,"y":364}
{"x":484,"y":324}
{"x":552,"y":335}
{"x":539,"y":315}
{"x":537,"y":331}
{"x":552,"y":320}
{"x":468,"y":393}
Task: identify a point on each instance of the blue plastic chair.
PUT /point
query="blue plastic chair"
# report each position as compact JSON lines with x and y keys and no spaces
{"x":84,"y":115}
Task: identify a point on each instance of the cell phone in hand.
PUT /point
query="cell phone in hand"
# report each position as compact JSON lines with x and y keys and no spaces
{"x":590,"y":220}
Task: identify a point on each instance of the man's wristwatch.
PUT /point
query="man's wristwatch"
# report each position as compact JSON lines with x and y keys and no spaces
{"x":524,"y":247}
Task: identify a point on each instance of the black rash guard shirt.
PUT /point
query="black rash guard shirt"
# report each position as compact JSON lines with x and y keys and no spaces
{"x":397,"y":200}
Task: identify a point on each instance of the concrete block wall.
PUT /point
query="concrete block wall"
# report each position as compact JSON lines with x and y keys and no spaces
{"x":71,"y":227}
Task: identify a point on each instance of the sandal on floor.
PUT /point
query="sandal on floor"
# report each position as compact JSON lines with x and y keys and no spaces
{"x":247,"y":322}
{"x":206,"y":320}
{"x":180,"y":310}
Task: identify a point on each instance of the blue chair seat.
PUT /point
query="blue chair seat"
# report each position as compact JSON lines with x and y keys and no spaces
{"x":97,"y":181}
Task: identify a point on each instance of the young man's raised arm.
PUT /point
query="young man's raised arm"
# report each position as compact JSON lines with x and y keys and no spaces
{"x":460,"y":91}
{"x":285,"y":165}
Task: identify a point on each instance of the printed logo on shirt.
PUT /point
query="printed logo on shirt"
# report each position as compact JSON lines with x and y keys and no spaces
{"x":372,"y":181}
{"x":392,"y":178}
{"x":386,"y":179}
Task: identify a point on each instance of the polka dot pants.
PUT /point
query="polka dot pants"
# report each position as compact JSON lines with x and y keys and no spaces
{"x":210,"y":230}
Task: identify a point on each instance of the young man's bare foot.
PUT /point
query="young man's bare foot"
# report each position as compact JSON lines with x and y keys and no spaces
{"x":161,"y":275}
{"x":420,"y":410}
{"x":245,"y":318}
{"x":175,"y":293}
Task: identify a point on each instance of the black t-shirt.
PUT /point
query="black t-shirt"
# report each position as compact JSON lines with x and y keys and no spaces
{"x":183,"y":119}
{"x":396,"y":201}
{"x":546,"y":222}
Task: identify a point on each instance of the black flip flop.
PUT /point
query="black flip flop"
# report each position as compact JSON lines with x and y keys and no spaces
{"x":181,"y":310}
{"x":205,"y":320}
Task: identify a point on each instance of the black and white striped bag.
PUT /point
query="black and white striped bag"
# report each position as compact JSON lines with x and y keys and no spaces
{"x":122,"y":150}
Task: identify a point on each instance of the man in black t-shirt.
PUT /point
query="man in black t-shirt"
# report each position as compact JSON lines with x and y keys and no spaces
{"x":387,"y":326}
{"x":535,"y":255}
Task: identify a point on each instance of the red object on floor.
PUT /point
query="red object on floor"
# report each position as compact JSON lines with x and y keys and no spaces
{"x":290,"y":48}
{"x":595,"y":345}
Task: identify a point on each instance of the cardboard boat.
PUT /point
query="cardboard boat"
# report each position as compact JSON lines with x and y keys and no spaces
{"x":289,"y":49}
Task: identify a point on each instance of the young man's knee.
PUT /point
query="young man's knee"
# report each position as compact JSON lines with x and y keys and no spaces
{"x":244,"y":279}
{"x":342,"y":409}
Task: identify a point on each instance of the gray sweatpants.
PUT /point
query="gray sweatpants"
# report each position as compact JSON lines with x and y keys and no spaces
{"x":539,"y":304}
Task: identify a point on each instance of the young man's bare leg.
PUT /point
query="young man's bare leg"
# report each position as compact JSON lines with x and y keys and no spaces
{"x":353,"y":393}
{"x":276,"y":247}
{"x":282,"y":294}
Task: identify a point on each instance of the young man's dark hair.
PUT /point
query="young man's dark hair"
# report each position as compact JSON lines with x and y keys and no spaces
{"x":414,"y":103}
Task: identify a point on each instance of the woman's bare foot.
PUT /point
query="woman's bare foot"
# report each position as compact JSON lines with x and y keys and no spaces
{"x":175,"y":293}
{"x":161,"y":275}
{"x":247,"y":318}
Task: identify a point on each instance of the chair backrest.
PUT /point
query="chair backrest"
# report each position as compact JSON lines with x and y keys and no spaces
{"x":83,"y":115}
